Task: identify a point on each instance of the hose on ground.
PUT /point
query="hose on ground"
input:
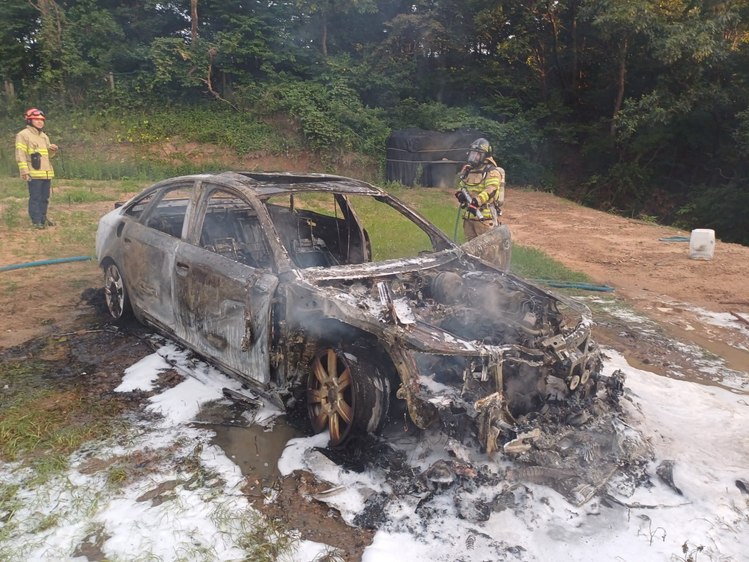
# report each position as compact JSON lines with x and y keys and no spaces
{"x":44,"y":262}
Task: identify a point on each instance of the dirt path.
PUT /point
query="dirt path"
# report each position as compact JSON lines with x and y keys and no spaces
{"x":627,"y":253}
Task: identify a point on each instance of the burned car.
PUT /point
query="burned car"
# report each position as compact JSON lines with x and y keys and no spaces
{"x":329,"y":294}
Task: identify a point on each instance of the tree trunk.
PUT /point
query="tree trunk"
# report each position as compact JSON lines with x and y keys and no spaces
{"x":10,"y":92}
{"x":194,"y":20}
{"x":324,"y":36}
{"x":555,"y":42}
{"x":542,"y":70}
{"x":573,"y":32}
{"x":619,"y":85}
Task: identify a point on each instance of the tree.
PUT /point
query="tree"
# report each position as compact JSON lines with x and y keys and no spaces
{"x":323,"y":10}
{"x":18,"y":56}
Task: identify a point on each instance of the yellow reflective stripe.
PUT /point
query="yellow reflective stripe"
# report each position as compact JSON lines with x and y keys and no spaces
{"x":491,"y":182}
{"x":43,"y":151}
{"x":42,"y":174}
{"x":483,"y":197}
{"x":23,"y":166}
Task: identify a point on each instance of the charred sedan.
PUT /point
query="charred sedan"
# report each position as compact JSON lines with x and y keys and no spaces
{"x":296,"y":285}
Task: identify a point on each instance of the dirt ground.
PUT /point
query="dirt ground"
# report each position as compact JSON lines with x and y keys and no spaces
{"x":628,"y":255}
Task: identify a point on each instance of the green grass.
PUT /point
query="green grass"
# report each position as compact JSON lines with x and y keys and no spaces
{"x":42,"y":424}
{"x":440,"y":208}
{"x":437,"y":205}
{"x":53,"y":423}
{"x":535,"y":264}
{"x":11,"y":213}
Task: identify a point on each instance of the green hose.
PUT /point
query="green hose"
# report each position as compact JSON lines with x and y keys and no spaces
{"x":457,"y":219}
{"x":44,"y":262}
{"x":574,"y":285}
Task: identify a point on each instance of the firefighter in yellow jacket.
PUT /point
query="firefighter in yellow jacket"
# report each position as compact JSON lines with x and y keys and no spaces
{"x":481,"y":190}
{"x":33,"y":152}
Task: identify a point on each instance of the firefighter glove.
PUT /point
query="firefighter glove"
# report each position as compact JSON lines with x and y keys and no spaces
{"x":462,"y":198}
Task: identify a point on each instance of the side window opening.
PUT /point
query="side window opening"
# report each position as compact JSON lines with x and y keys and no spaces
{"x":318,"y":229}
{"x":231,"y":228}
{"x":136,"y":210}
{"x":169,"y":214}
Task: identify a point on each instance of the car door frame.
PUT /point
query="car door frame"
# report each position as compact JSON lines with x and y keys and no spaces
{"x":223,"y":308}
{"x":148,"y":258}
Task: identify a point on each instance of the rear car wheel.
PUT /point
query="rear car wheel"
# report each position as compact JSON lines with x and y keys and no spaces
{"x":345,"y":396}
{"x":115,"y":293}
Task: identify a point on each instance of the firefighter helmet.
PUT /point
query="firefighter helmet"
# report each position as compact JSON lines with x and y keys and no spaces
{"x":34,"y":113}
{"x":479,"y":149}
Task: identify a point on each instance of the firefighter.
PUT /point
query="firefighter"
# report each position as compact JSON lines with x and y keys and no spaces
{"x":481,"y":190}
{"x":33,"y":152}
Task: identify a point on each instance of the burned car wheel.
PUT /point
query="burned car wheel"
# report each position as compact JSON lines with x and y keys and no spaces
{"x":115,"y":293}
{"x":345,"y":396}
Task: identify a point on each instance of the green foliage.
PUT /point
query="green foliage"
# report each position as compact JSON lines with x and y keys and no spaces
{"x":214,"y":125}
{"x":330,"y":114}
{"x":723,"y":209}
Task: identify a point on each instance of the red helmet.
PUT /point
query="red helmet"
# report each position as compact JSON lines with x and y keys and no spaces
{"x":34,"y":113}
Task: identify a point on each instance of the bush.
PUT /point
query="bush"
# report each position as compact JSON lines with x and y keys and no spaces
{"x":205,"y":124}
{"x":331,"y":115}
{"x":722,"y":209}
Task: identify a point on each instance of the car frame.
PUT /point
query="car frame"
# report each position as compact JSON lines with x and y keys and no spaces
{"x":289,"y":301}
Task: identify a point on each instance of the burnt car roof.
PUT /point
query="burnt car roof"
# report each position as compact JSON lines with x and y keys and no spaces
{"x":265,"y":184}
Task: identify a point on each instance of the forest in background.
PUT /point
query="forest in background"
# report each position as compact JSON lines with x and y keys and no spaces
{"x":640,"y":107}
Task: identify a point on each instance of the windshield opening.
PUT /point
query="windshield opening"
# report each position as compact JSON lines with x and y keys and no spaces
{"x":325,"y":229}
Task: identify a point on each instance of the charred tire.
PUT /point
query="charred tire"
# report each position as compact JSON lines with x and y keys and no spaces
{"x":115,"y":293}
{"x":345,"y":396}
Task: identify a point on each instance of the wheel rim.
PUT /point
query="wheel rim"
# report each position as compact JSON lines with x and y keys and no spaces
{"x":114,"y":291}
{"x":330,"y":396}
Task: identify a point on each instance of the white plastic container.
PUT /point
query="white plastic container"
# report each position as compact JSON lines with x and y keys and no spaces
{"x":702,"y":244}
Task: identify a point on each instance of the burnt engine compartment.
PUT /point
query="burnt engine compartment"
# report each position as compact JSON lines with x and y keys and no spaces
{"x":483,"y":307}
{"x":546,"y":351}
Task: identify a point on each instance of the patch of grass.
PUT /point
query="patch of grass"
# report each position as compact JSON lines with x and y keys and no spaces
{"x":10,"y":504}
{"x":13,"y":187}
{"x":535,"y":264}
{"x":47,"y":522}
{"x":117,"y":475}
{"x":437,"y":205}
{"x":266,"y":540}
{"x":84,"y":196}
{"x":9,"y":286}
{"x":18,"y":378}
{"x":12,"y":213}
{"x":42,"y":426}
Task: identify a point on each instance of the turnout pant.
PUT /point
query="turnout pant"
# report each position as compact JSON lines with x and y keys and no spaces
{"x":39,"y":200}
{"x":473,"y":228}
